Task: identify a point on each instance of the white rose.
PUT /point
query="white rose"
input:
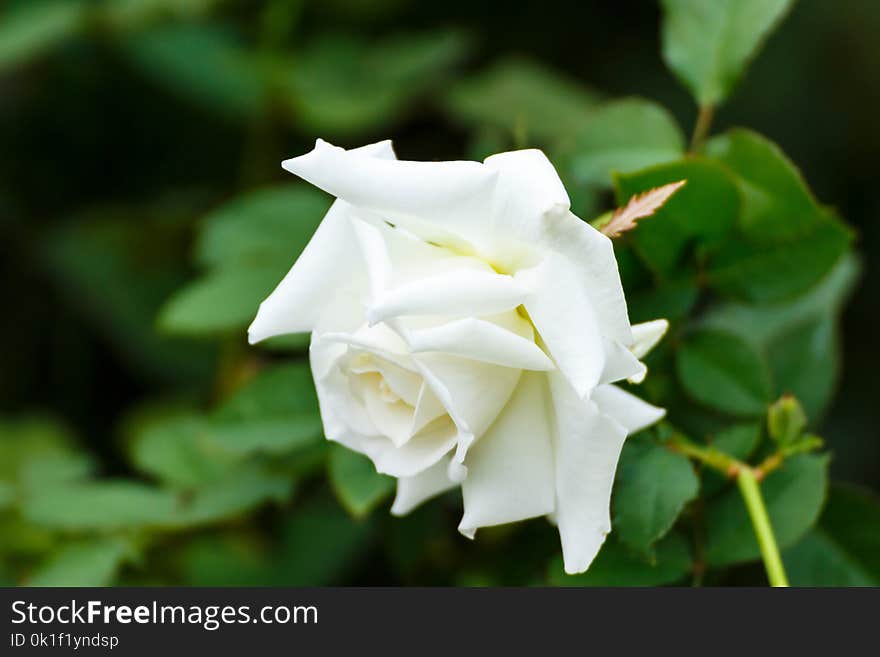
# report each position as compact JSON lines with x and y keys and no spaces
{"x":466,"y":330}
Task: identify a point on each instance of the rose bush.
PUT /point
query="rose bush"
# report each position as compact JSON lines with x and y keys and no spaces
{"x":467,"y":330}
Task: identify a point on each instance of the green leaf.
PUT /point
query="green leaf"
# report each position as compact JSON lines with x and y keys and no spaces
{"x":7,"y":495}
{"x":343,"y":86}
{"x":267,"y":436}
{"x":37,"y":453}
{"x":764,"y":324}
{"x":247,"y":245}
{"x":722,"y":371}
{"x":127,"y":505}
{"x":704,"y":211}
{"x":221,"y":302}
{"x":777,"y":204}
{"x":178,"y":451}
{"x":245,"y":489}
{"x":275,"y":413}
{"x":92,"y":562}
{"x":34,"y":28}
{"x":289,"y":342}
{"x":231,"y":558}
{"x":844,"y":550}
{"x":306,"y":461}
{"x":802,"y":244}
{"x":805,"y":363}
{"x":819,"y":560}
{"x":128,"y":14}
{"x":739,"y":441}
{"x":622,"y":136}
{"x":105,"y":506}
{"x":672,"y":300}
{"x":653,"y":486}
{"x":7,"y":578}
{"x":355,"y":481}
{"x":799,"y":337}
{"x":524,"y":99}
{"x":852,"y":517}
{"x":52,"y":469}
{"x":794,"y":495}
{"x":278,"y":392}
{"x":21,"y":539}
{"x":186,"y":450}
{"x":709,"y":44}
{"x":273,"y":225}
{"x":617,"y":566}
{"x":320,"y":544}
{"x":773,"y":272}
{"x":204,"y":63}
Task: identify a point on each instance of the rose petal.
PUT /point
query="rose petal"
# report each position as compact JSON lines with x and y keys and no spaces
{"x":383,"y":150}
{"x":629,"y":411}
{"x":375,"y":255}
{"x":565,"y":321}
{"x":646,"y":335}
{"x":620,"y":363}
{"x":419,"y":453}
{"x":412,"y":491}
{"x":346,"y":421}
{"x":379,"y":340}
{"x":393,"y":420}
{"x":472,"y":392}
{"x":445,"y":202}
{"x":401,"y":382}
{"x":528,"y":188}
{"x":468,"y":292}
{"x":428,"y":408}
{"x":328,"y":264}
{"x":587,"y":446}
{"x":344,"y":418}
{"x":303,"y":294}
{"x":510,"y":468}
{"x":532,"y":207}
{"x":481,"y":340}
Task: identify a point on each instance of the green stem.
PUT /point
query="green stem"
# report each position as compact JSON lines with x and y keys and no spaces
{"x":701,"y":129}
{"x":747,"y":478}
{"x":751,"y":492}
{"x":723,"y":463}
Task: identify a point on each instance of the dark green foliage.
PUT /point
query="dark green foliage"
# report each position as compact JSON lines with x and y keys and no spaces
{"x":794,"y":496}
{"x":709,"y":44}
{"x":246,"y":246}
{"x":653,"y":486}
{"x":617,"y":566}
{"x":844,"y":548}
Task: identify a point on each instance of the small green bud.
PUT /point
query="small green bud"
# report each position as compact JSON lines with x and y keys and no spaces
{"x":808,"y":443}
{"x":786,"y":420}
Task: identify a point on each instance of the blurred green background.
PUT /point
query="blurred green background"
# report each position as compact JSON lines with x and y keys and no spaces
{"x":128,"y":126}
